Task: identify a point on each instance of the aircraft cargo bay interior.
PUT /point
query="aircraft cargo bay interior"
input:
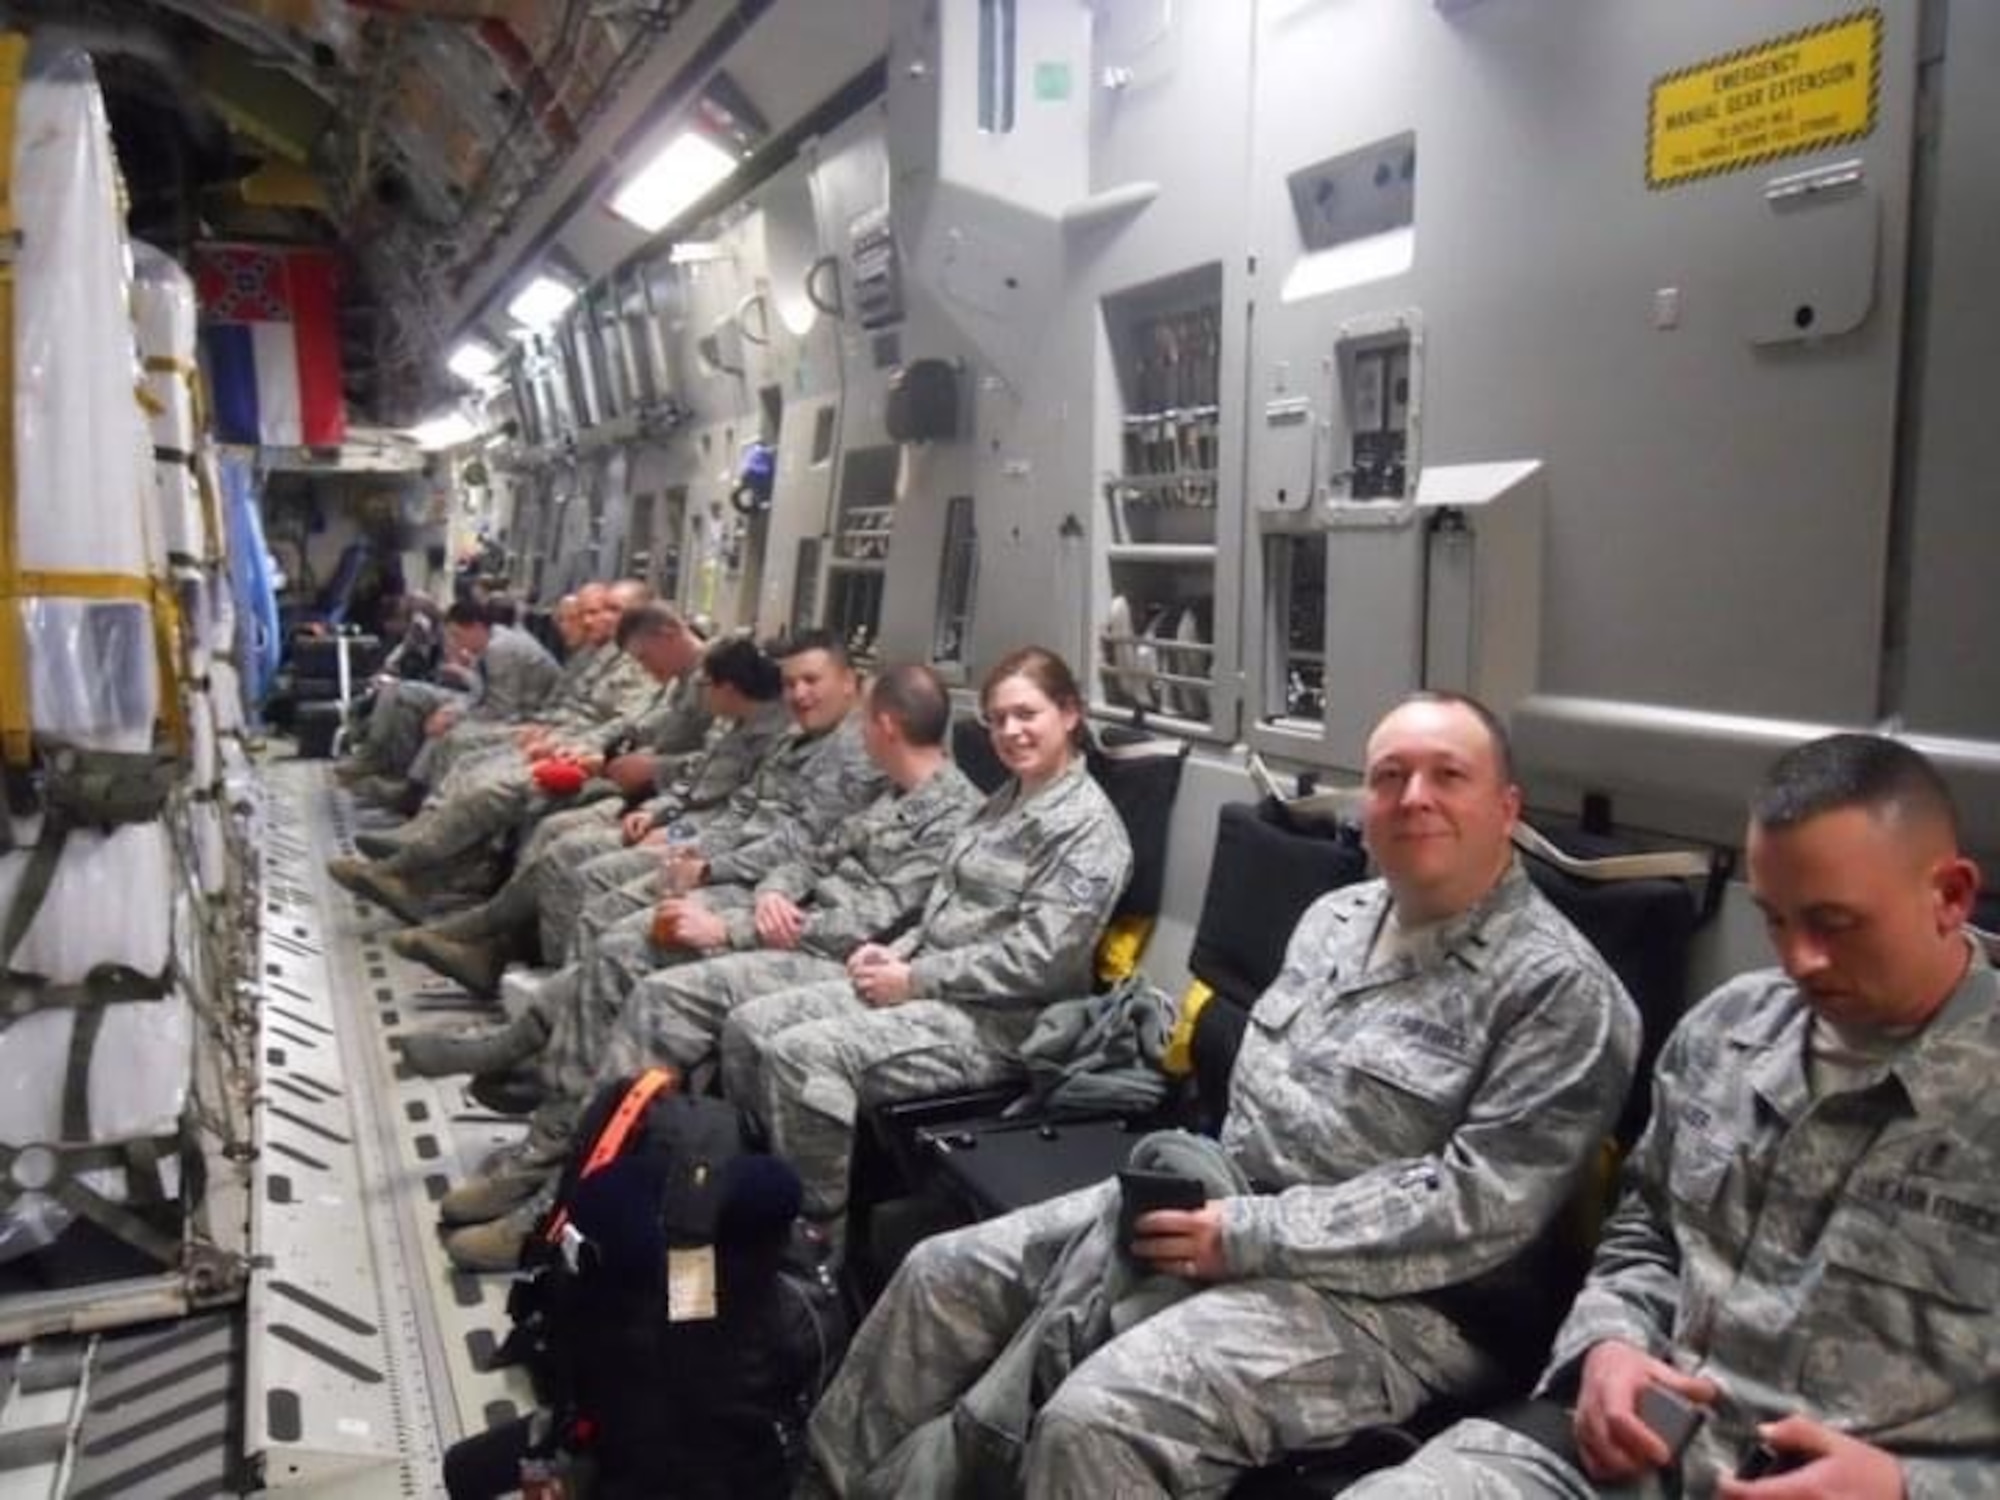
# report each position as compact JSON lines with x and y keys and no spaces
{"x":775,"y":748}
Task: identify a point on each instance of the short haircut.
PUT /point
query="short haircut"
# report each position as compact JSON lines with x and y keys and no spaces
{"x":502,"y":609}
{"x":466,"y":613}
{"x":631,"y":593}
{"x":741,"y":663}
{"x":786,"y":647}
{"x":1867,"y":771}
{"x":1496,"y":732}
{"x":647,"y":619}
{"x":914,"y":698}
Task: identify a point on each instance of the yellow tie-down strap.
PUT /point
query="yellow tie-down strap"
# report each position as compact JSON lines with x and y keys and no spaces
{"x":16,"y":732}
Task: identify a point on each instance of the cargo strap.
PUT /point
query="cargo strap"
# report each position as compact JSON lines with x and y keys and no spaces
{"x":56,"y":1170}
{"x":81,"y":789}
{"x":611,"y":1140}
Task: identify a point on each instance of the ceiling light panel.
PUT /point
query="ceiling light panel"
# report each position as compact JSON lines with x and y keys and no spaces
{"x":675,"y":179}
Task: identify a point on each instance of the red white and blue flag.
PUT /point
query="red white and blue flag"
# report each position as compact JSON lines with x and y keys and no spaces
{"x":271,"y":341}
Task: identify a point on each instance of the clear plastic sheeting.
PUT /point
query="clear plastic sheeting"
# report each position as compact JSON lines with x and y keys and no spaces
{"x":93,"y":675}
{"x":137,"y":1087}
{"x":82,"y":473}
{"x":163,"y":311}
{"x":91,"y":542}
{"x":77,"y":431}
{"x":110,"y":902}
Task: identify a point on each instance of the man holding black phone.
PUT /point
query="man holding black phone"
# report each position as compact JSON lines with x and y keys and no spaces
{"x":1796,"y":1296}
{"x":1417,"y":1096}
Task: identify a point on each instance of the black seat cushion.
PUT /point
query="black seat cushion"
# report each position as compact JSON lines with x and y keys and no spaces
{"x":1265,"y":872}
{"x":1645,"y":931}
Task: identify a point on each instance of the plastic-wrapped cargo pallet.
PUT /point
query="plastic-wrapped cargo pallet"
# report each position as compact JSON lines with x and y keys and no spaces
{"x":95,"y":1047}
{"x":163,"y":313}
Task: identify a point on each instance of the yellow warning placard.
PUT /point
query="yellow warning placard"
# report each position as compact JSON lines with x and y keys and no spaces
{"x":1795,"y":93}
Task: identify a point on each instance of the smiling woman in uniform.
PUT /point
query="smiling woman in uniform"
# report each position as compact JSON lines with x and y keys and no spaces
{"x":1016,"y":914}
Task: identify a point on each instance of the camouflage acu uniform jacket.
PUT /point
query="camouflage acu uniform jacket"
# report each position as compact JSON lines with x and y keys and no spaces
{"x":801,"y":791}
{"x":619,"y":688}
{"x":670,"y":721}
{"x":1423,"y":1122}
{"x":729,"y":764}
{"x":873,"y":872}
{"x":515,"y":677}
{"x":1838,"y":1256}
{"x":1025,"y":892}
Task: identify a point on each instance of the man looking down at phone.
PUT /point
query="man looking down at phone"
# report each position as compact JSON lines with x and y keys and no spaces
{"x":1416,"y":1097}
{"x":1797,"y":1290}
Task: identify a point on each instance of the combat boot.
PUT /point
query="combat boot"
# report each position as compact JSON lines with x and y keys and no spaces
{"x":374,"y":883}
{"x":477,"y":966}
{"x":495,"y":1247}
{"x":514,"y":1092}
{"x":507,"y":1179}
{"x":379,"y":843}
{"x":485,"y":1049}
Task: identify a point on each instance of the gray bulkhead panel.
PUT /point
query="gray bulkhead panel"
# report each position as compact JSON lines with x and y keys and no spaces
{"x":1952,"y":653}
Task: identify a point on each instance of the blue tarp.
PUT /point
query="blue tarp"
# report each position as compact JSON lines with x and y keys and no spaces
{"x":250,"y":580}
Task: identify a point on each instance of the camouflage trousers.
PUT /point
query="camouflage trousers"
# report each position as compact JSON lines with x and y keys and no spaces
{"x":676,"y":1014}
{"x":807,"y":1060}
{"x":464,"y":741}
{"x":1480,"y":1460}
{"x":394,"y":734}
{"x":597,"y":988}
{"x":551,"y":844}
{"x":482,"y":800}
{"x":594,"y":886}
{"x":1225,"y":1380}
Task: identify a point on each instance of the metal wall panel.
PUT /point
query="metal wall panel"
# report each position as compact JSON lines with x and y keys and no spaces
{"x":1953,"y":660}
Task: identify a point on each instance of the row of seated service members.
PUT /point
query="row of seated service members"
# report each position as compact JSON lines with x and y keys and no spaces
{"x":1802,"y":1254}
{"x":1422,"y":1088}
{"x":865,"y":925}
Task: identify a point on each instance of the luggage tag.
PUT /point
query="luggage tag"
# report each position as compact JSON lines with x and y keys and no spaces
{"x":691,"y":1284}
{"x":546,"y":1479}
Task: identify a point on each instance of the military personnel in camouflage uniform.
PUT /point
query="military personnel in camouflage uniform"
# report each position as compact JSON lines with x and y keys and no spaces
{"x":1010,"y":926}
{"x":818,"y":777}
{"x":1417,"y":1095}
{"x":475,"y":945}
{"x":513,"y":675}
{"x":734,"y":942}
{"x":587,"y":633}
{"x":486,"y":797}
{"x":1808,"y":1244}
{"x":731,"y":944}
{"x":419,"y":677}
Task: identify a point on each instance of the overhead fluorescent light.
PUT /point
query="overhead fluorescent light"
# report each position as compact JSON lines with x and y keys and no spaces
{"x":473,"y":361}
{"x":446,"y":430}
{"x":695,"y":253}
{"x":541,"y":301}
{"x":685,"y":169}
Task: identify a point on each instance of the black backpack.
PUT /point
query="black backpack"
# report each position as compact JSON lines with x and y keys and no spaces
{"x":687,"y":1384}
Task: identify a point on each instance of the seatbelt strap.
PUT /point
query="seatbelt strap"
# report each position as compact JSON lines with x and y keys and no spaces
{"x":617,"y":1130}
{"x":33,"y":890}
{"x":16,"y":726}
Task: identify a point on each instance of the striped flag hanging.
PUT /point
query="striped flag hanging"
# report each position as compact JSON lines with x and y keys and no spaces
{"x":271,"y":344}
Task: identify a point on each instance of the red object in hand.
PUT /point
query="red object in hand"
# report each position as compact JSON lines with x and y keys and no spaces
{"x":559,"y":778}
